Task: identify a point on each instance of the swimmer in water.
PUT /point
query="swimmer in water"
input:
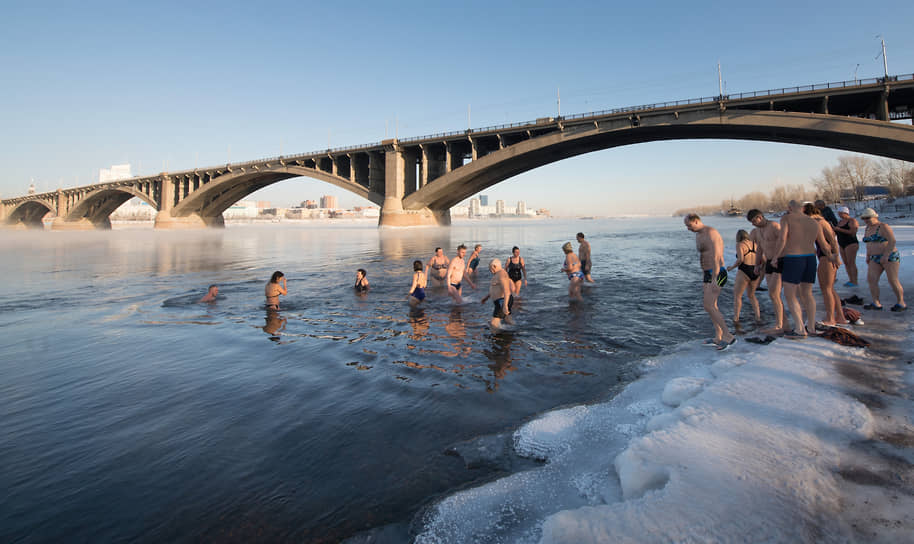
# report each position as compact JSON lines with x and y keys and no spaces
{"x":361,"y":282}
{"x":438,"y":265}
{"x":473,"y":263}
{"x":211,"y":294}
{"x":572,"y":267}
{"x":455,"y":275}
{"x":277,"y":286}
{"x":501,"y":292}
{"x":417,"y":289}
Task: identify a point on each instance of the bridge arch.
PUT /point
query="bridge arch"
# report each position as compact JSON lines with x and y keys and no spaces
{"x":95,"y":208}
{"x":208,"y":202}
{"x":880,"y":138}
{"x":30,"y":214}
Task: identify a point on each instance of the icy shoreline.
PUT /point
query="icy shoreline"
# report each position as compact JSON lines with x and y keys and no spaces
{"x":793,"y":441}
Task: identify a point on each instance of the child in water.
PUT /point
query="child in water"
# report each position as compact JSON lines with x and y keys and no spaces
{"x":417,"y":289}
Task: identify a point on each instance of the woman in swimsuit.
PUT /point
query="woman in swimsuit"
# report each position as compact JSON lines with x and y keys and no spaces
{"x":361,"y":282}
{"x":473,"y":262}
{"x":417,"y":289}
{"x":881,"y":255}
{"x":516,"y":269}
{"x":846,"y":231}
{"x":438,"y":263}
{"x":746,"y":279}
{"x":275,"y":287}
{"x":827,"y":269}
{"x":572,"y":267}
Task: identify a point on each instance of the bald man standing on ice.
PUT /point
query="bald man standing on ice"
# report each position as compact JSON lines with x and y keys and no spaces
{"x":797,"y":250}
{"x":711,"y":254}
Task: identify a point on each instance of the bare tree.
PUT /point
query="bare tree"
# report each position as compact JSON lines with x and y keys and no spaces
{"x":895,"y":175}
{"x":859,"y":172}
{"x":830,"y":184}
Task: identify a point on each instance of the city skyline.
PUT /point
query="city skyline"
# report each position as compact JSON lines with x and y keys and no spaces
{"x":74,"y":104}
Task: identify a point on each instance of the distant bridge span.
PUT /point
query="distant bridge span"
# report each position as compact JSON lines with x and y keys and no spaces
{"x":417,"y":180}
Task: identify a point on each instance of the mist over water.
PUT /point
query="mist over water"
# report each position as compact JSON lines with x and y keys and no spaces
{"x":132,"y":412}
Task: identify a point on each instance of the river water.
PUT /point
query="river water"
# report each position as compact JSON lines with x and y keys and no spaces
{"x":128,"y":411}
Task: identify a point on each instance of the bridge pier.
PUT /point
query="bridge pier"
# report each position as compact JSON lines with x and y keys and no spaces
{"x":83,"y":223}
{"x":165,"y":221}
{"x":414,"y":218}
{"x":398,"y":171}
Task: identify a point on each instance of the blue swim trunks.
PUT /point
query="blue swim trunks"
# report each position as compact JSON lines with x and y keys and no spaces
{"x":721,"y":277}
{"x":798,"y":268}
{"x":419,"y":293}
{"x":575,"y":275}
{"x":457,"y":285}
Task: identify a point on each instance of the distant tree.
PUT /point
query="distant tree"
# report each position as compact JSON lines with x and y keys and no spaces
{"x":896,"y":176}
{"x":830,"y":184}
{"x":859,"y":172}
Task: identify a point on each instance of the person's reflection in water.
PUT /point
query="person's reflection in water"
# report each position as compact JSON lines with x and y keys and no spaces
{"x":456,"y":327}
{"x":419,"y":322}
{"x":500,"y":355}
{"x":274,"y":323}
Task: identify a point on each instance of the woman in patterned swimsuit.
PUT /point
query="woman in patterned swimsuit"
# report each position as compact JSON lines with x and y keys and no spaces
{"x":881,"y":255}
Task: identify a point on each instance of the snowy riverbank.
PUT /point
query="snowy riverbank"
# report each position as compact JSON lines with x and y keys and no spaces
{"x":794,"y":441}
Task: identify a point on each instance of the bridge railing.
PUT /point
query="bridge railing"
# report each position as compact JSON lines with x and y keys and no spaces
{"x":783,"y":91}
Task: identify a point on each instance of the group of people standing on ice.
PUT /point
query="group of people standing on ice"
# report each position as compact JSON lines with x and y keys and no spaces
{"x":791,"y":254}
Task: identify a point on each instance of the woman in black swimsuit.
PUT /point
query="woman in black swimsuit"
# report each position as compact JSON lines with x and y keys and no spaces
{"x":361,"y":282}
{"x":846,"y":231}
{"x":516,"y":269}
{"x":746,"y":279}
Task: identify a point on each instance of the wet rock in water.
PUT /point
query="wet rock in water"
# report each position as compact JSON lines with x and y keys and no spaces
{"x":492,"y":450}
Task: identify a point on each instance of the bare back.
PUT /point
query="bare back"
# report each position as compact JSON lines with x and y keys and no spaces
{"x":767,"y":237}
{"x":798,"y":234}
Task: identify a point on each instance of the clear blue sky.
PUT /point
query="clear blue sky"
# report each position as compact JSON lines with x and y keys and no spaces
{"x":90,"y":84}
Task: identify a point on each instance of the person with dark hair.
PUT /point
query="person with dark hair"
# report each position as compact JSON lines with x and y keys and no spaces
{"x":846,"y":232}
{"x":211,"y":294}
{"x":361,"y":282}
{"x":827,"y":270}
{"x":417,"y":289}
{"x":516,"y":269}
{"x":827,"y":213}
{"x":276,"y":286}
{"x":766,"y":235}
{"x":584,"y":256}
{"x":473,"y":263}
{"x":747,"y":279}
{"x":438,"y":265}
{"x":711,"y":256}
{"x":455,"y":275}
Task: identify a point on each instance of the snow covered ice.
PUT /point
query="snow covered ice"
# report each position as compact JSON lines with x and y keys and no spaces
{"x":783,"y":442}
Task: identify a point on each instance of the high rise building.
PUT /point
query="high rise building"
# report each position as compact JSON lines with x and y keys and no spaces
{"x":329,"y":202}
{"x":499,"y":207}
{"x":117,"y":171}
{"x":521,"y":207}
{"x":474,"y":207}
{"x":484,"y":200}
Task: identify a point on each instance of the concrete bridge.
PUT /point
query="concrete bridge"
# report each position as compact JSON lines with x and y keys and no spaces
{"x":417,"y":180}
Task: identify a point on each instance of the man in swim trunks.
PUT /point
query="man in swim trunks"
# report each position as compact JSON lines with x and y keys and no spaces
{"x":455,"y":275}
{"x":711,"y":255}
{"x":584,"y":256}
{"x":438,"y":265}
{"x":211,"y":294}
{"x":797,"y":249}
{"x":572,"y":267}
{"x":500,"y":292}
{"x":766,"y":236}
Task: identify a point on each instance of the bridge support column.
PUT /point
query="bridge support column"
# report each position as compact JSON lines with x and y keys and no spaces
{"x":392,"y":212}
{"x":60,"y":223}
{"x":166,"y":221}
